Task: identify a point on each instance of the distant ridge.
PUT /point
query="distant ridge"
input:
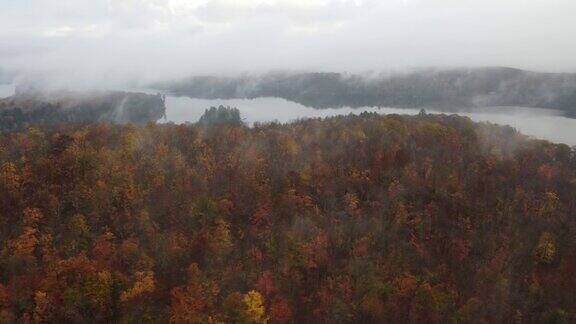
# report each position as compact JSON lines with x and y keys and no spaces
{"x":457,"y":89}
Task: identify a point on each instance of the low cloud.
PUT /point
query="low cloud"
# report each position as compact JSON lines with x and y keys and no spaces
{"x":116,"y":41}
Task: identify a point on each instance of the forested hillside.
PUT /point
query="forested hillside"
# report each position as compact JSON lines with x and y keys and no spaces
{"x":445,"y":89}
{"x":32,"y":107}
{"x":429,"y":219}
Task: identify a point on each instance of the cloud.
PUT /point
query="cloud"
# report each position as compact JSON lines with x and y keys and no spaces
{"x":118,"y":40}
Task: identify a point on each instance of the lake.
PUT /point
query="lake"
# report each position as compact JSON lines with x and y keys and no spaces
{"x":537,"y":123}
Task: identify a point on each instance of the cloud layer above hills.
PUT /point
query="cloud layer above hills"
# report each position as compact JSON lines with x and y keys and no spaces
{"x":154,"y":39}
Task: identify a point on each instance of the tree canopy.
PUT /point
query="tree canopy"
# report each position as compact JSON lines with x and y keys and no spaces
{"x":365,"y":218}
{"x":220,"y":115}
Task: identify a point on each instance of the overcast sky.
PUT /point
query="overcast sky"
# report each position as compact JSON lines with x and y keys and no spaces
{"x":150,"y":39}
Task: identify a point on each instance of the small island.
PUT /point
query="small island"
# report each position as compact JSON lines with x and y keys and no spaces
{"x":221,"y":115}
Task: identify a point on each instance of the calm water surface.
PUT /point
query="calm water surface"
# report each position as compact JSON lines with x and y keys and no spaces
{"x":538,"y":123}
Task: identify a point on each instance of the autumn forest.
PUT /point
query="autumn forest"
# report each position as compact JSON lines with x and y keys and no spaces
{"x":384,"y":219}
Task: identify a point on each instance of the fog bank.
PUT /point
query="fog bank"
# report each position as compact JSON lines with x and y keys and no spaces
{"x":94,"y":42}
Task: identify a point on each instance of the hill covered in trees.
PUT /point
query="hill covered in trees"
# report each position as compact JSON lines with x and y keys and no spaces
{"x":452,"y":89}
{"x":349,"y":219}
{"x":33,"y":107}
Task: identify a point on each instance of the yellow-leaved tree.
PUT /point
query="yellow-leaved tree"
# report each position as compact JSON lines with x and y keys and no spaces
{"x":545,"y":249}
{"x":254,"y":307}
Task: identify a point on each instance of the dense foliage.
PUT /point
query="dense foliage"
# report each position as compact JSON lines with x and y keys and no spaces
{"x":349,"y":219}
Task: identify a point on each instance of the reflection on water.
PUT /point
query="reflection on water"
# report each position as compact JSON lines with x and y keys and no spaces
{"x":184,"y":109}
{"x":538,"y":123}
